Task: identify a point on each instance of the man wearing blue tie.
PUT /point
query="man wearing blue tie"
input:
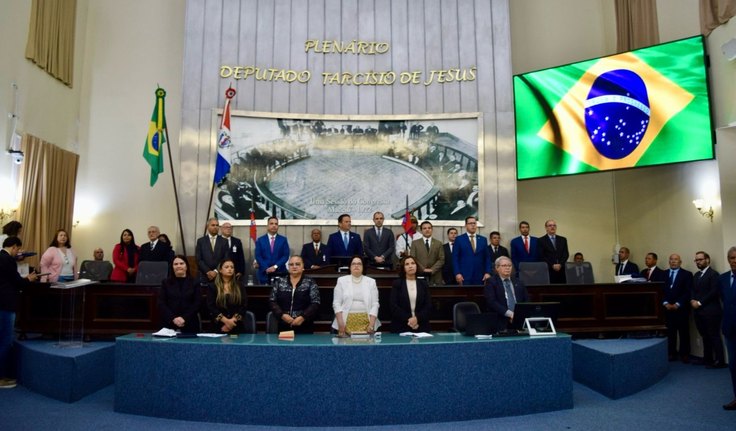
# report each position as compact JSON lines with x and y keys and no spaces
{"x":471,"y":259}
{"x":677,"y":287}
{"x":727,"y":286}
{"x":344,"y":244}
{"x":553,"y":250}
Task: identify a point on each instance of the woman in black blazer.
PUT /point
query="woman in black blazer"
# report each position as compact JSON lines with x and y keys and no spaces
{"x":180,"y":298}
{"x":411,"y":304}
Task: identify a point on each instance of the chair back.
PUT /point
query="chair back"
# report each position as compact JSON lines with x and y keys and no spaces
{"x":460,"y":312}
{"x":249,"y":321}
{"x":272,"y":323}
{"x":532,"y":273}
{"x":579,"y":273}
{"x":150,"y":272}
{"x":96,"y":270}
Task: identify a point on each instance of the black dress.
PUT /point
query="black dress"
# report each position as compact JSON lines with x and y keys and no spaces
{"x":180,"y":297}
{"x":229,"y":310}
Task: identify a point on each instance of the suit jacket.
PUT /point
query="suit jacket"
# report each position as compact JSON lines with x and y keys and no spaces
{"x":705,"y":290}
{"x":160,"y":253}
{"x":657,"y":274}
{"x":235,"y":252}
{"x":554,"y":254}
{"x":311,"y":258}
{"x":448,"y":275}
{"x":629,"y":269}
{"x":433,"y":259}
{"x":401,"y":307}
{"x":267,"y":259}
{"x":336,"y":248}
{"x":472,"y":265}
{"x":208,"y":259}
{"x":502,"y":251}
{"x":11,"y":282}
{"x":678,"y":291}
{"x":519,"y":254}
{"x":495,"y":295}
{"x":728,"y":296}
{"x":373,"y":246}
{"x":180,"y":298}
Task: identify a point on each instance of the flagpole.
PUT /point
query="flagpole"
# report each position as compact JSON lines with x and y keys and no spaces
{"x":176,"y":195}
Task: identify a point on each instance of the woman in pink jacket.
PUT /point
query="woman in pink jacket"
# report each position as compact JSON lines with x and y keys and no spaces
{"x":59,"y":260}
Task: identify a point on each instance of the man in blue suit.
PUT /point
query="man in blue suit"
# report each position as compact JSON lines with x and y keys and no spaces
{"x":524,"y":247}
{"x":272,"y":252}
{"x":344,"y":244}
{"x":677,"y":287}
{"x":727,"y":286}
{"x":471,"y":259}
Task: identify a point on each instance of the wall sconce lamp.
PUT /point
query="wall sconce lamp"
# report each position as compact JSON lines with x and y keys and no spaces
{"x":701,"y":205}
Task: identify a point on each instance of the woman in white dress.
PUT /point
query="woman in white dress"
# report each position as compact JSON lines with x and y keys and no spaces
{"x":355,"y":301}
{"x":59,"y":260}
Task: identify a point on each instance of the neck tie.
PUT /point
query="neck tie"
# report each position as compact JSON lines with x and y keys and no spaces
{"x":552,"y":238}
{"x":152,"y":244}
{"x":316,"y":249}
{"x":426,"y":243}
{"x":345,"y":240}
{"x":526,"y":243}
{"x":212,"y":242}
{"x":620,"y":268}
{"x":378,"y":234}
{"x":672,"y":278}
{"x":495,"y":250}
{"x":733,"y":275}
{"x":649,"y":273}
{"x":472,"y":242}
{"x":273,"y":240}
{"x":510,"y":298}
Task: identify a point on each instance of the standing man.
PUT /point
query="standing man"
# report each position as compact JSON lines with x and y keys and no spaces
{"x":344,"y":244}
{"x":707,"y":311}
{"x":272,"y":252}
{"x":678,"y":284}
{"x":11,"y":284}
{"x":430,"y":254}
{"x":495,"y":247}
{"x":524,"y":247}
{"x":314,"y":253}
{"x":471,"y":260}
{"x":624,"y":266}
{"x":211,"y":250}
{"x":652,"y":272}
{"x":234,"y":249}
{"x":448,"y":275}
{"x":503,"y":291}
{"x":727,"y":287}
{"x":553,"y":250}
{"x":379,"y":243}
{"x":154,"y":250}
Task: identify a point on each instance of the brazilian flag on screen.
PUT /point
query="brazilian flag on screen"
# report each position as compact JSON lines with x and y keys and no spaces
{"x":153,"y":151}
{"x":645,"y":107}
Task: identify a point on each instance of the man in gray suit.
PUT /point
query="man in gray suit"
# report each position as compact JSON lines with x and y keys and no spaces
{"x":430,"y":254}
{"x":378,"y":243}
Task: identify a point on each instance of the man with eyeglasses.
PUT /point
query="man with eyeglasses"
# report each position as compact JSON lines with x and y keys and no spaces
{"x":553,"y":250}
{"x":707,"y":312}
{"x":503,"y":291}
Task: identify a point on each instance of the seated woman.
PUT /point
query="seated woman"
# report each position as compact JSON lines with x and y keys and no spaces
{"x":355,"y":301}
{"x":226,"y":300}
{"x":180,"y":298}
{"x":411,"y":303}
{"x":125,"y":258}
{"x":59,"y":260}
{"x":295,"y":299}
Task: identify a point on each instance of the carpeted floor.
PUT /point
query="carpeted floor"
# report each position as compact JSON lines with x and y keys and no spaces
{"x":688,"y":398}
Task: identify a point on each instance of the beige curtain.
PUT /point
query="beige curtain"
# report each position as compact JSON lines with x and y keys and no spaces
{"x":51,"y":37}
{"x":48,"y":178}
{"x":636,"y":24}
{"x":714,"y":13}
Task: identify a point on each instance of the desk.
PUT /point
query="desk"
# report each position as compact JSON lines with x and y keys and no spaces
{"x":312,"y":381}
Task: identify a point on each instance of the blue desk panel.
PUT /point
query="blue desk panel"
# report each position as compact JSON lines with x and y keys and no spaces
{"x":318,"y":380}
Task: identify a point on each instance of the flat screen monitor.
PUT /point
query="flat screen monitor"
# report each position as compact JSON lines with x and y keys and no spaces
{"x":644,"y":107}
{"x":523,"y":310}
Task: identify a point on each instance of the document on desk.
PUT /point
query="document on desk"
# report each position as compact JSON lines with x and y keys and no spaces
{"x":210,"y":335}
{"x":164,"y":332}
{"x":71,"y":284}
{"x":416,"y":334}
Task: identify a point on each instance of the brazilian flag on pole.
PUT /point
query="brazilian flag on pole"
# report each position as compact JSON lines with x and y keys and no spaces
{"x":153,"y":151}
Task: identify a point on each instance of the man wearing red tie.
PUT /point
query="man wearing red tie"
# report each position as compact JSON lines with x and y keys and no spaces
{"x":652,"y":272}
{"x":524,"y":247}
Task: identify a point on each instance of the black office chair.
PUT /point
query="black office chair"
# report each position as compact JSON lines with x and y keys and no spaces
{"x":95,"y":270}
{"x":532,"y":273}
{"x":249,"y":321}
{"x":272,"y":323}
{"x":459,"y":313}
{"x":151,"y":272}
{"x":579,"y":273}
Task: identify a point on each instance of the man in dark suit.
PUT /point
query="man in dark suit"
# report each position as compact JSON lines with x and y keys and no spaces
{"x":624,"y":266}
{"x":471,"y":260}
{"x":314,"y":253}
{"x":553,"y":250}
{"x":678,"y":284}
{"x":495,"y":247}
{"x":524,"y":248}
{"x":707,"y":311}
{"x":379,"y":243}
{"x":272,"y":252}
{"x":727,"y":286}
{"x":211,"y":250}
{"x":503,"y":291}
{"x":344,"y":244}
{"x":448,"y":275}
{"x":234,"y":248}
{"x":430,"y":255}
{"x":155,"y":250}
{"x":652,"y":272}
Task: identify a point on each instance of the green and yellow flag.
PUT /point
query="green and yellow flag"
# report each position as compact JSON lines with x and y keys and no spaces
{"x":153,"y":151}
{"x":640,"y":108}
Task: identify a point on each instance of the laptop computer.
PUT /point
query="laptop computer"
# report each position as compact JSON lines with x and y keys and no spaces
{"x":480,"y":324}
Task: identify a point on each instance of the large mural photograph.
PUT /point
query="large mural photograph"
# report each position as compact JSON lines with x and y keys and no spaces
{"x":312,"y":168}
